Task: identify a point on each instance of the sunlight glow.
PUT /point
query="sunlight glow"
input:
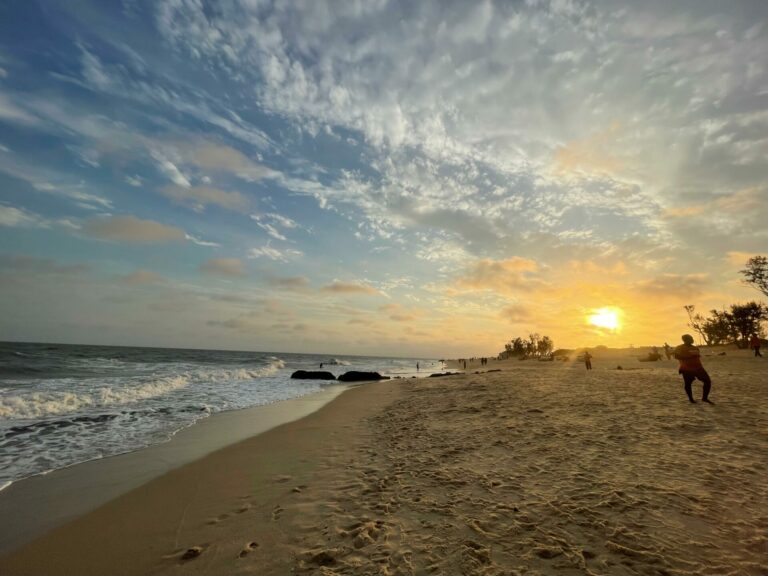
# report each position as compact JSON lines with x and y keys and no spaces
{"x":605,"y":318}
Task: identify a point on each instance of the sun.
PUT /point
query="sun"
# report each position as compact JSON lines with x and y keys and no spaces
{"x":608,"y":318}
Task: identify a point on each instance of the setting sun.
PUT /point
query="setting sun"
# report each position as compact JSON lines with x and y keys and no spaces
{"x":605,"y":318}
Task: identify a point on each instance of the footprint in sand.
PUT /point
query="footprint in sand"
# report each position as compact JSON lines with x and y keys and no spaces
{"x":247,"y":549}
{"x":277,"y":512}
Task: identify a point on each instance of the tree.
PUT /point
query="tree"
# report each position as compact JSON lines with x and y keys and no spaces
{"x":545,"y":346}
{"x":756,"y":273}
{"x":718,"y":328}
{"x":534,"y":345}
{"x":696,"y":321}
{"x":746,"y":319}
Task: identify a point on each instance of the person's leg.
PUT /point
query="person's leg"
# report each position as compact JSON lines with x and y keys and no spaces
{"x":687,"y":381}
{"x":704,"y":377}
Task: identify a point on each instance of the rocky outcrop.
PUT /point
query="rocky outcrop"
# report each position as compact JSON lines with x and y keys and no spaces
{"x":313,"y":375}
{"x":361,"y":376}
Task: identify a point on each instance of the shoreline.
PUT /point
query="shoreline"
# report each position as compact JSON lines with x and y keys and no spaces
{"x":534,"y":469}
{"x":42,"y":502}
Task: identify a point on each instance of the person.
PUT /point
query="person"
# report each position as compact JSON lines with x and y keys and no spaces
{"x":588,"y":360}
{"x":667,"y":350}
{"x":754,"y":343}
{"x":417,"y":366}
{"x":692,"y":369}
{"x":321,"y":365}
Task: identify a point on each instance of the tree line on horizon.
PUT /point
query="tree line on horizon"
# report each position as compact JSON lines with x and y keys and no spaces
{"x":533,"y":346}
{"x":737,"y":323}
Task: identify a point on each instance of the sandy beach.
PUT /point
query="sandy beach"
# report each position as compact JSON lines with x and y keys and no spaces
{"x":539,"y":468}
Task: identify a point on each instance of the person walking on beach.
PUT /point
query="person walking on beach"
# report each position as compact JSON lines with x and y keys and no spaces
{"x":692,"y":369}
{"x":417,"y":366}
{"x":588,"y":360}
{"x":667,"y":350}
{"x":754,"y":343}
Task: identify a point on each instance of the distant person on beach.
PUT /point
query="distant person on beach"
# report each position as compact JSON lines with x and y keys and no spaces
{"x":465,"y":364}
{"x":667,"y":350}
{"x":588,"y":360}
{"x":321,"y":365}
{"x":754,"y":343}
{"x":692,"y":369}
{"x":417,"y":366}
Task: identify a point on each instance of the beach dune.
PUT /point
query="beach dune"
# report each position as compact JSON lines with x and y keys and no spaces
{"x":540,"y":468}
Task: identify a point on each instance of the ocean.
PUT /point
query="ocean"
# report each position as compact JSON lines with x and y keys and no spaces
{"x":62,"y":404}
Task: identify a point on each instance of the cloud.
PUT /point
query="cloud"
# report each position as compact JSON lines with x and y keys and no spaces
{"x":200,"y":242}
{"x":231,"y":267}
{"x":142,"y":276}
{"x":132,"y":229}
{"x":171,"y":170}
{"x":225,"y":158}
{"x":35,"y":265}
{"x":200,"y":196}
{"x":13,"y":217}
{"x":516,"y":313}
{"x":270,"y":222}
{"x":9,"y":111}
{"x":337,"y":287}
{"x":502,"y":276}
{"x":297,"y":283}
{"x":674,"y":285}
{"x":268,"y":251}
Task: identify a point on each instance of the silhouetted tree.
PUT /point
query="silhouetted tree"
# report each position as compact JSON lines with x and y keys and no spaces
{"x":546,"y":346}
{"x":696,"y":321}
{"x":718,"y":328}
{"x":746,"y":319}
{"x":535,"y":345}
{"x":756,"y":273}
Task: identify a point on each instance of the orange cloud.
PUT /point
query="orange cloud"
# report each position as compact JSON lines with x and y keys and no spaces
{"x":349,"y":288}
{"x":502,"y":276}
{"x":589,"y":155}
{"x":132,"y":229}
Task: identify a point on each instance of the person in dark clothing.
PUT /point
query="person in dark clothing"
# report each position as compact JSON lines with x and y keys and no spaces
{"x":588,"y":360}
{"x":754,"y":343}
{"x":691,"y":368}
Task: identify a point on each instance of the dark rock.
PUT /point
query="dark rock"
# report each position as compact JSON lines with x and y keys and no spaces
{"x":439,"y":374}
{"x":361,"y":376}
{"x":313,"y":375}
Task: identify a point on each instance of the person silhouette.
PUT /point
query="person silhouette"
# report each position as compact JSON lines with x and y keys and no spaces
{"x":588,"y":360}
{"x":754,"y":343}
{"x":691,"y":368}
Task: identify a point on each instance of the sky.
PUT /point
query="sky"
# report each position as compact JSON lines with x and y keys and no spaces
{"x":423,"y":179}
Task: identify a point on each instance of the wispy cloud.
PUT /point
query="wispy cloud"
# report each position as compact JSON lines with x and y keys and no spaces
{"x":228,"y":267}
{"x":198,"y":197}
{"x":132,"y":229}
{"x":142,"y":277}
{"x":338,"y":287}
{"x":284,"y":255}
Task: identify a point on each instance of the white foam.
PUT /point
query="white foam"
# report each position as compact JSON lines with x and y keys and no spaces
{"x":40,"y":404}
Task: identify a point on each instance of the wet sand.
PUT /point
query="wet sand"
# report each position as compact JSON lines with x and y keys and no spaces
{"x":541,"y":468}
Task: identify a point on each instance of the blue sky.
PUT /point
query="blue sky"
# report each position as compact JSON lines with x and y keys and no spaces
{"x":426,"y":178}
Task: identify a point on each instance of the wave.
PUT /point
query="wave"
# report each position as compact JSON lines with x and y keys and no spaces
{"x":42,"y":404}
{"x":32,"y":405}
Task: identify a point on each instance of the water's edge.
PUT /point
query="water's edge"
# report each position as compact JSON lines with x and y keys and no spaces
{"x":40,"y":503}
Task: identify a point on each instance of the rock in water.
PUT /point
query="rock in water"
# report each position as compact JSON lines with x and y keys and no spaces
{"x":361,"y":376}
{"x":313,"y":375}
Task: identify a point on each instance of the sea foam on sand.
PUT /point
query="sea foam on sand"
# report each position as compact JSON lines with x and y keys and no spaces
{"x":540,"y":468}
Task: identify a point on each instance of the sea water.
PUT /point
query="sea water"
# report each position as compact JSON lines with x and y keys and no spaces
{"x":65,"y":404}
